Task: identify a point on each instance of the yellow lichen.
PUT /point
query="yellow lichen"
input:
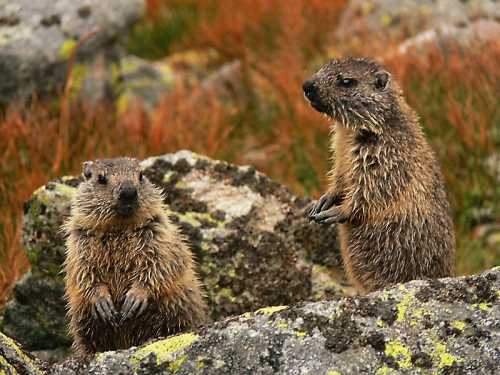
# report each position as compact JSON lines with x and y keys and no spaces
{"x":60,"y":190}
{"x":192,"y":219}
{"x":458,"y":324}
{"x":445,"y":359}
{"x":367,"y":7}
{"x":195,"y":219}
{"x":7,"y":341}
{"x":226,"y":293}
{"x":416,"y":315}
{"x":219,"y":363}
{"x":385,"y":371}
{"x":67,"y":48}
{"x":165,"y":349}
{"x":200,"y":363}
{"x":483,"y":306}
{"x":403,"y":306}
{"x":6,"y":367}
{"x":386,"y":20}
{"x":384,"y":295}
{"x":399,"y":352}
{"x":167,"y":176}
{"x":301,"y":334}
{"x":65,"y":190}
{"x":181,"y":185}
{"x":174,"y":366}
{"x":331,"y":372}
{"x":270,"y":310}
{"x":282,"y":324}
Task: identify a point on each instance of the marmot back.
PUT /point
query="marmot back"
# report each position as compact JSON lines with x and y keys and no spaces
{"x":386,"y":189}
{"x":129,"y":273}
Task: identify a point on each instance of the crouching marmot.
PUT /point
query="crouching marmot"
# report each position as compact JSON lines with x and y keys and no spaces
{"x":129,"y":273}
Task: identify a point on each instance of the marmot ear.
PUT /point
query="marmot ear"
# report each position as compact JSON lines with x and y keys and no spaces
{"x":86,"y":169}
{"x":382,"y":79}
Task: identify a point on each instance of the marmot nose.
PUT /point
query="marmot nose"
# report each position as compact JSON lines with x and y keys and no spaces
{"x":128,"y":193}
{"x":309,"y":88}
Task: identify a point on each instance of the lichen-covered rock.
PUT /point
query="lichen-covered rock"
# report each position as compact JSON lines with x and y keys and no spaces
{"x":253,"y":246}
{"x":378,"y":21}
{"x":140,"y":81}
{"x":481,"y":31}
{"x":37,"y":316}
{"x":446,"y":326}
{"x":13,"y":360}
{"x":38,"y":37}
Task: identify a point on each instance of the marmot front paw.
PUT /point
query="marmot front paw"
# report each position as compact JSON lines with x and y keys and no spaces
{"x":330,"y":216}
{"x":104,"y":310}
{"x":135,"y":303}
{"x":325,"y":202}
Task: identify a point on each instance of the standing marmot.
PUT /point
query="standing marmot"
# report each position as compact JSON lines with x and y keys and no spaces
{"x":386,"y":185}
{"x":129,"y":274}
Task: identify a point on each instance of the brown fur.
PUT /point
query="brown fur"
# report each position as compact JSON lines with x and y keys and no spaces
{"x":386,"y":188}
{"x":140,"y":256}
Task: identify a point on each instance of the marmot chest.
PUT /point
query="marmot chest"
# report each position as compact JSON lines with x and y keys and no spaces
{"x":343,"y":144}
{"x":118,"y":256}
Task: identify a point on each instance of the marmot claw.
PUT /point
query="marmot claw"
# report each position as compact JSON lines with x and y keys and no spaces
{"x":325,"y":202}
{"x":332,"y":215}
{"x":135,"y":303}
{"x":104,"y":310}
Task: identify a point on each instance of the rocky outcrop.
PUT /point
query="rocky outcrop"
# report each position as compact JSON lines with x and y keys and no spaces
{"x":38,"y":37}
{"x":446,"y":326}
{"x":481,"y":31}
{"x":380,"y":21}
{"x":252,"y":245}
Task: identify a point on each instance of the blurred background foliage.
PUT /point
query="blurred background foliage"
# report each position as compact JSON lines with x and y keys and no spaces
{"x":263,"y":49}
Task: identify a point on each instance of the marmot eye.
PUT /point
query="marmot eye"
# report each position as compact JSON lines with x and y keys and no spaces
{"x":102,"y":179}
{"x":347,"y":82}
{"x":141,"y":177}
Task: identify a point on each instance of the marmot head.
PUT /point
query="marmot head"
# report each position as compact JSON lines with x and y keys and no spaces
{"x":357,"y":93}
{"x":114,"y":192}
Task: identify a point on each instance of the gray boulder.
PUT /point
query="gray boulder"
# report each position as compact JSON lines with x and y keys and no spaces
{"x":139,"y":82}
{"x":380,"y":20}
{"x":447,"y":326}
{"x":38,"y":37}
{"x":252,"y":244}
{"x":481,"y":31}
